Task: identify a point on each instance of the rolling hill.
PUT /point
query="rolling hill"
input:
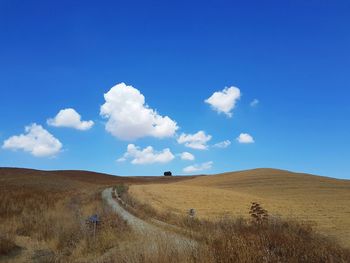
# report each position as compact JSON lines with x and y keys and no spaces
{"x":321,"y":200}
{"x":71,"y":179}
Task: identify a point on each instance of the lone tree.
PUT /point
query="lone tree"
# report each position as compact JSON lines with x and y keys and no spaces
{"x":168,"y":173}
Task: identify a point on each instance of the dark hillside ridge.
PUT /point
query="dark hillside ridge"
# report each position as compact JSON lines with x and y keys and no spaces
{"x":24,"y":174}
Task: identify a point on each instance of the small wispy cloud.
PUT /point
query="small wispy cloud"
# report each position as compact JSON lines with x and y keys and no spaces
{"x":187,"y":156}
{"x":223,"y":144}
{"x":198,"y":167}
{"x":254,"y":103}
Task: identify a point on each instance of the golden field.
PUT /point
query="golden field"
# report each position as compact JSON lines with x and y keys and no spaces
{"x":43,"y":215}
{"x":324,"y":201}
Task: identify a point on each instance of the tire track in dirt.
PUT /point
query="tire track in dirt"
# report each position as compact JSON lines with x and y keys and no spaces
{"x":153,"y":233}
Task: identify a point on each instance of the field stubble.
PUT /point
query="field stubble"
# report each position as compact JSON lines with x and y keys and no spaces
{"x":322,"y":201}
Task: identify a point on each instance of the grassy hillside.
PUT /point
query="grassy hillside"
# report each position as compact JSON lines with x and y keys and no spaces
{"x":72,"y":178}
{"x":324,"y":201}
{"x":43,"y":215}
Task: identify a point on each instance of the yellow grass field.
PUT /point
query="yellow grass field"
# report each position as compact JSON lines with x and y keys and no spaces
{"x":324,"y":201}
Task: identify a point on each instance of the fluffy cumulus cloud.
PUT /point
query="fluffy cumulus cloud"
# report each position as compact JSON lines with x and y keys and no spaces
{"x":36,"y":140}
{"x":223,"y":144}
{"x":70,"y":118}
{"x":187,"y":156}
{"x":198,"y":167}
{"x":254,"y":103}
{"x":224,"y":101}
{"x":129,"y":118}
{"x":245,"y":138}
{"x":195,"y":141}
{"x":147,"y":155}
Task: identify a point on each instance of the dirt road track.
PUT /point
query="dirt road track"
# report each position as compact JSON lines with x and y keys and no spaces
{"x":152,"y":232}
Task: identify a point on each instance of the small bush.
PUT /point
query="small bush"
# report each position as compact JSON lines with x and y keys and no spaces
{"x":258,"y":214}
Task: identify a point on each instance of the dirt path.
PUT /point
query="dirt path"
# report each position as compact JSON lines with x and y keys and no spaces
{"x":153,"y":233}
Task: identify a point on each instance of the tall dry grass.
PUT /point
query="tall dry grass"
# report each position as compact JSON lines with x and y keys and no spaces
{"x":7,"y":243}
{"x":58,"y":221}
{"x":262,"y":238}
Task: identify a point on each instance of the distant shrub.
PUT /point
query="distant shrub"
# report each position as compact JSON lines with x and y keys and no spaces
{"x":168,"y":173}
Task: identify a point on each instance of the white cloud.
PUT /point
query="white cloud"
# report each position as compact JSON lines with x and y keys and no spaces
{"x":196,"y":141}
{"x":198,"y":167}
{"x":70,"y":118}
{"x":147,"y":155}
{"x":225,"y":100}
{"x":223,"y":144}
{"x":130,"y":118}
{"x":245,"y":138}
{"x":121,"y":159}
{"x":37,"y":141}
{"x":254,"y":103}
{"x":187,"y":156}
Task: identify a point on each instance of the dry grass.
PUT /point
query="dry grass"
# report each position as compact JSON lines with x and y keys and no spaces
{"x":7,"y":243}
{"x":43,"y":215}
{"x":324,"y":201}
{"x":260,"y":238}
{"x":158,"y":250}
{"x":277,"y":240}
{"x":57,"y":222}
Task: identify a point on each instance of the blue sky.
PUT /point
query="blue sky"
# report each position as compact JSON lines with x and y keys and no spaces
{"x":293,"y":57}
